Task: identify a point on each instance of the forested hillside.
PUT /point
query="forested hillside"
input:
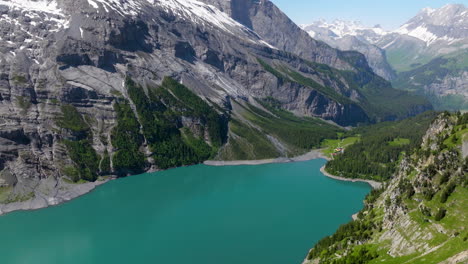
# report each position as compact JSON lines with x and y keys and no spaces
{"x":380,"y":148}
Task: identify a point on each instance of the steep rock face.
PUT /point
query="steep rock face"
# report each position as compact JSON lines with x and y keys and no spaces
{"x":268,"y":21}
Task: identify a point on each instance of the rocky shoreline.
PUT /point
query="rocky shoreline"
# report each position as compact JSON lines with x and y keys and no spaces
{"x":373,"y":184}
{"x":62,"y":193}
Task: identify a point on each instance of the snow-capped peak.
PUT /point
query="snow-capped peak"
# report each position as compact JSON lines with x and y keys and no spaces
{"x":449,"y":23}
{"x":428,"y":10}
{"x":342,"y":28}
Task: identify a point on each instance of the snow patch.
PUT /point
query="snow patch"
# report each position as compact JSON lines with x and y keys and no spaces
{"x":312,"y":33}
{"x":124,"y":8}
{"x":46,"y":6}
{"x":192,"y":9}
{"x":93,"y":4}
{"x":209,"y":16}
{"x":420,"y":32}
{"x":30,"y":8}
{"x":389,"y":44}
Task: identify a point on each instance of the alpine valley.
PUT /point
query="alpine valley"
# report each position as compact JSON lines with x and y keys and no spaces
{"x":94,"y":90}
{"x":91,"y":88}
{"x":427,"y":55}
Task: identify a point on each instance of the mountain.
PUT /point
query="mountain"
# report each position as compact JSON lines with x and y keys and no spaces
{"x":434,"y":41}
{"x":431,"y":33}
{"x":419,"y":216}
{"x":92,"y":88}
{"x":346,"y":35}
{"x":437,"y":67}
{"x":276,"y":28}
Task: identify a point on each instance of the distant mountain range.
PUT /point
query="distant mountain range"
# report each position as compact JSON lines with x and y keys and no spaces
{"x":434,"y":41}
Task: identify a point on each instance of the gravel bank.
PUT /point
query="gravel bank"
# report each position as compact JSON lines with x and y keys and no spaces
{"x":314,"y":154}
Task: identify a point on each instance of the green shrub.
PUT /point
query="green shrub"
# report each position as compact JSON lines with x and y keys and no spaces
{"x":71,"y":119}
{"x":24,"y":102}
{"x":354,"y":231}
{"x":72,"y":173}
{"x":447,"y":192}
{"x":85,"y":157}
{"x":19,"y":79}
{"x":440,"y":214}
{"x":105,"y":163}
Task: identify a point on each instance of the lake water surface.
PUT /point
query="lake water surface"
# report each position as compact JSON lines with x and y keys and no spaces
{"x":265,"y":214}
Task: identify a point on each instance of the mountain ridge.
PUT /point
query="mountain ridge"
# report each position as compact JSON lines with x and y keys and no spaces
{"x":404,"y":55}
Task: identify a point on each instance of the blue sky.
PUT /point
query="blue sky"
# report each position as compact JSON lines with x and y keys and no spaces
{"x":388,"y":13}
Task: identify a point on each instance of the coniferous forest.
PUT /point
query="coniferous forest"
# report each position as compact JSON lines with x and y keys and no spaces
{"x":378,"y":151}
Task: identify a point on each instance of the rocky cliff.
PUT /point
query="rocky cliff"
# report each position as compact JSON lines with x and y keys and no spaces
{"x":420,"y":216}
{"x":89,"y":88}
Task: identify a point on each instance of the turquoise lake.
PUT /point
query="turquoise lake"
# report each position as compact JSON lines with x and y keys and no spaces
{"x":265,"y":214}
